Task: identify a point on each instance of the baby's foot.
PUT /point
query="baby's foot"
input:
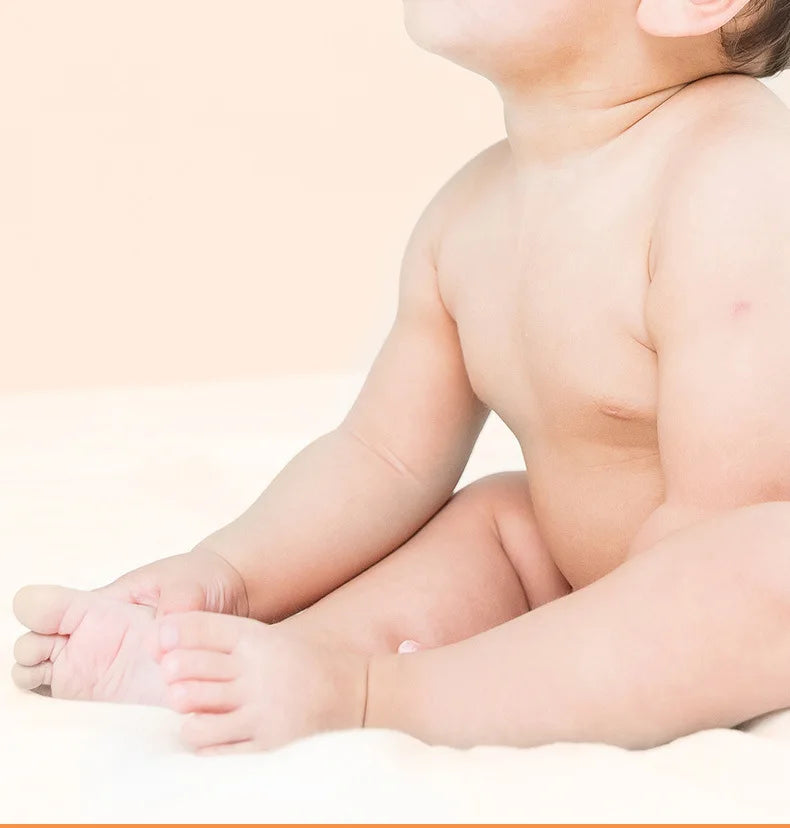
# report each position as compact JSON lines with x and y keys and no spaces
{"x":251,"y":686}
{"x":85,"y":646}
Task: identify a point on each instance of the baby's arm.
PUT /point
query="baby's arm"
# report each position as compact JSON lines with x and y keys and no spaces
{"x":692,"y":630}
{"x":357,"y":493}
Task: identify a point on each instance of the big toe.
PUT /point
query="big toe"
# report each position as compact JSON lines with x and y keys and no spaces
{"x":45,"y":609}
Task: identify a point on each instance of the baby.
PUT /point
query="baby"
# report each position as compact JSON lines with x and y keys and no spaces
{"x":613,"y":280}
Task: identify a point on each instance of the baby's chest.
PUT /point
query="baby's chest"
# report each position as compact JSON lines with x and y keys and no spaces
{"x":557,"y":344}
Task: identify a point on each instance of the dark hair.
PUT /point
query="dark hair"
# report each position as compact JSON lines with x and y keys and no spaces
{"x":759,"y":44}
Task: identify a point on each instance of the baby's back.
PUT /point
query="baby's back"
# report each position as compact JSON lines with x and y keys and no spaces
{"x":547,"y":276}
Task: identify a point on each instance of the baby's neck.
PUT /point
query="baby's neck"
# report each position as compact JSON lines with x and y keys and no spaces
{"x":547,"y":131}
{"x":563,"y":114}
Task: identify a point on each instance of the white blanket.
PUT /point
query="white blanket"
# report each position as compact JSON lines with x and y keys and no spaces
{"x":96,"y":482}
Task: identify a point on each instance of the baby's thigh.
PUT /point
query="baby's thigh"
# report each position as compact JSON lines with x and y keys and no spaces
{"x":479,"y":562}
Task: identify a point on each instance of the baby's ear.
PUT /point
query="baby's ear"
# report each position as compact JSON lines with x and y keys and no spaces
{"x":686,"y":18}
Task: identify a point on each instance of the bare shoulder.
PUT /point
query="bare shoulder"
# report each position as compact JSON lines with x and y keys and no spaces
{"x":728,"y":171}
{"x":734,"y":143}
{"x":722,"y":227}
{"x":724,"y":99}
{"x":420,"y":268}
{"x":460,"y":192}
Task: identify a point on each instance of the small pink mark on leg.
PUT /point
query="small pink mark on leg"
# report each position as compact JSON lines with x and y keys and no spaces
{"x":740,"y":308}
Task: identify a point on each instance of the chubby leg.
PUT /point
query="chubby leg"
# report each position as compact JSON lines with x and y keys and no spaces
{"x":478,"y":563}
{"x":690,"y":633}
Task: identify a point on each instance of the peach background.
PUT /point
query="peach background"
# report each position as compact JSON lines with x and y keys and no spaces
{"x":196,"y":189}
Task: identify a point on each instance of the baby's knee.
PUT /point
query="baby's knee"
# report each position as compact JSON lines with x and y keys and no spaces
{"x":754,"y":541}
{"x":760,"y":525}
{"x":498,"y":493}
{"x":768,"y":526}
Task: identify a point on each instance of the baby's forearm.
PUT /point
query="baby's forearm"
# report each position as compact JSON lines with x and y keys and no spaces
{"x":334,"y":510}
{"x":690,"y":634}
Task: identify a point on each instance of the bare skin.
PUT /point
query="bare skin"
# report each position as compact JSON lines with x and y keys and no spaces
{"x":87,"y":647}
{"x":537,"y":284}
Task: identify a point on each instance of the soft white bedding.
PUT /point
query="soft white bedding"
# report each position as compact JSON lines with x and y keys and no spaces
{"x":95,"y":482}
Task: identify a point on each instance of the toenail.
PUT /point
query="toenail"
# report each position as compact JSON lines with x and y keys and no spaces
{"x":168,"y":636}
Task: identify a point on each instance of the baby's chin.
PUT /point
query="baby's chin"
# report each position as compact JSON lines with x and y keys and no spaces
{"x":448,"y":29}
{"x":447,"y":40}
{"x":431,"y":24}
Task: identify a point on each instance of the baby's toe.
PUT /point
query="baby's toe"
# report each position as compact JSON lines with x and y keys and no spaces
{"x":204,"y":731}
{"x":203,"y":696}
{"x":29,"y":678}
{"x":179,"y":665}
{"x":45,"y":609}
{"x":33,"y":648}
